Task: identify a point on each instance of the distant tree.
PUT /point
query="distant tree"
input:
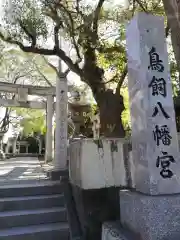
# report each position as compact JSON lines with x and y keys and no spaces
{"x":32,"y":23}
{"x":32,"y":121}
{"x":17,"y":67}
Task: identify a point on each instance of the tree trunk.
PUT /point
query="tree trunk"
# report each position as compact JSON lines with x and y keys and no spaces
{"x":172,"y":10}
{"x":110,"y":107}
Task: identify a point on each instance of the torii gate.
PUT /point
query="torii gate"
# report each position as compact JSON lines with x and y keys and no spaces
{"x":22,"y":92}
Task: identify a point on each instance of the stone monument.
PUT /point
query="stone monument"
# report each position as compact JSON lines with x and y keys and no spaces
{"x":152,"y":210}
{"x":154,"y":135}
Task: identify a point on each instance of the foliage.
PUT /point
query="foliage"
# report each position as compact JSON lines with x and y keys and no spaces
{"x":17,"y":67}
{"x":81,"y":24}
{"x":24,"y":68}
{"x":32,"y":121}
{"x":96,"y":32}
{"x":126,"y":113}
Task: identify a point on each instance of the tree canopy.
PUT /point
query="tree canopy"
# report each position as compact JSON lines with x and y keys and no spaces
{"x":32,"y":121}
{"x":17,"y":67}
{"x":95,"y":33}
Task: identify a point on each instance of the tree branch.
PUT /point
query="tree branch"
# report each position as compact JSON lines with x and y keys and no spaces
{"x":52,"y":13}
{"x":78,"y":8}
{"x":157,"y":4}
{"x":17,"y":78}
{"x":31,"y":36}
{"x":141,"y":5}
{"x":29,"y":49}
{"x":56,"y":35}
{"x":5,"y":121}
{"x":52,"y":66}
{"x":123,"y":75}
{"x":71,"y":29}
{"x":115,"y":48}
{"x":167,"y":30}
{"x":55,"y":69}
{"x":67,"y":72}
{"x":111,"y":80}
{"x":47,"y":52}
{"x":73,"y":66}
{"x":42,"y":75}
{"x":134,"y":7}
{"x":96,"y":15}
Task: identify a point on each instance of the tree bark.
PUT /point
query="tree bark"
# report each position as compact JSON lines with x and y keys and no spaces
{"x":110,"y":104}
{"x":172,"y":10}
{"x":111,"y":107}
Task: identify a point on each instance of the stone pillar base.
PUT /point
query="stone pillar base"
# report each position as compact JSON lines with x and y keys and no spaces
{"x":152,"y":217}
{"x":94,"y":207}
{"x":115,"y":231}
{"x":55,"y":175}
{"x":48,"y":159}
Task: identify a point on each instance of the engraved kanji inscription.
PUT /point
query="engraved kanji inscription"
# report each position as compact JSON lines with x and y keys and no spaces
{"x":158,"y":86}
{"x":160,"y":107}
{"x":162,"y":133}
{"x":164,"y":162}
{"x":155,"y":62}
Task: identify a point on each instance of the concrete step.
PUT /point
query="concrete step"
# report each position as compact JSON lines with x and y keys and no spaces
{"x":15,"y":181}
{"x":56,"y":231}
{"x":32,"y":217}
{"x":31,"y":202}
{"x":40,"y":188}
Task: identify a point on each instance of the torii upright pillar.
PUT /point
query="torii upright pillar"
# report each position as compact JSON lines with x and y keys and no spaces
{"x":60,"y":158}
{"x":49,"y":134}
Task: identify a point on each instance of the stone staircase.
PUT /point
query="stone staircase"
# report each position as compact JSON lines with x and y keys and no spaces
{"x":33,"y":211}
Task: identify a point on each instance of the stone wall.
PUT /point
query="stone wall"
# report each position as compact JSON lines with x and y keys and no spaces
{"x":109,"y":163}
{"x":98,"y":164}
{"x":96,"y":169}
{"x":97,"y":172}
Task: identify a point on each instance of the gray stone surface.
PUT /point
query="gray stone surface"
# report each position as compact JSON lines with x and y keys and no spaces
{"x":53,"y":231}
{"x":31,"y":209}
{"x":144,"y":32}
{"x":114,"y":231}
{"x":11,"y":219}
{"x":98,"y":164}
{"x":152,"y":217}
{"x":31,"y":189}
{"x":94,"y":207}
{"x":21,"y":170}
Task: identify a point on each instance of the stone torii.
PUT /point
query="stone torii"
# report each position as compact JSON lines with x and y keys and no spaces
{"x":22,"y":92}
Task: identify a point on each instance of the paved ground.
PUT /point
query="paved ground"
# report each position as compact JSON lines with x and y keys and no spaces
{"x":21,"y":170}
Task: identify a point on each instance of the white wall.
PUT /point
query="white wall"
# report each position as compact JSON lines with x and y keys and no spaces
{"x":92,"y":167}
